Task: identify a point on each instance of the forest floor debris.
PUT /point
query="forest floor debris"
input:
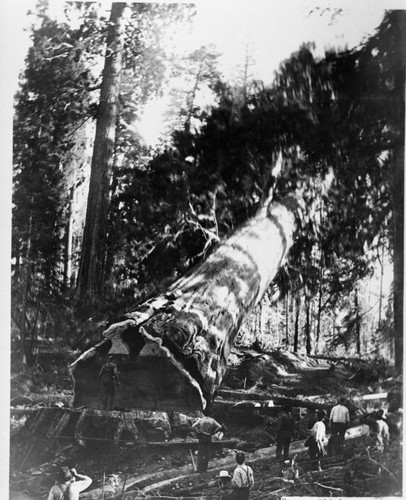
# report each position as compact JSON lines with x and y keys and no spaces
{"x":167,"y":472}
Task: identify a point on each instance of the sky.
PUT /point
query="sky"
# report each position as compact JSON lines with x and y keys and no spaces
{"x":273,"y":30}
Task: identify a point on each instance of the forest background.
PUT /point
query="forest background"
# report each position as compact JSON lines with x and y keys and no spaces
{"x":169,"y":206}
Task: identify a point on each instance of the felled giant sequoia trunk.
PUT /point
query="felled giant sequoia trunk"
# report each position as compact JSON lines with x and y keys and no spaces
{"x":172,"y":351}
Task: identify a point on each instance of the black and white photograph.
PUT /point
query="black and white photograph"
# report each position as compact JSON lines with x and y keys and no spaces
{"x":205,"y":255}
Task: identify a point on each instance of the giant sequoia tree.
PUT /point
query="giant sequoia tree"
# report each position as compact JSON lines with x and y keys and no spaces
{"x":91,"y":271}
{"x":53,"y":98}
{"x":135,"y":66}
{"x":173,"y":349}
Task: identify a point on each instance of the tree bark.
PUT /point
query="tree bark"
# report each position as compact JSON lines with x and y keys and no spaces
{"x":172,"y":351}
{"x":398,"y":193}
{"x":287,"y":341}
{"x":308,"y":327}
{"x":91,"y":271}
{"x":357,"y":323}
{"x":297,"y":318}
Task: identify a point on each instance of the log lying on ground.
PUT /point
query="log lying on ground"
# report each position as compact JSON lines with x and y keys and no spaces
{"x":172,"y":351}
{"x":336,"y":359}
{"x":89,"y":425}
{"x":266,"y":401}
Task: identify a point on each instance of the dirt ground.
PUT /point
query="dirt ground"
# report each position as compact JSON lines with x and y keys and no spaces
{"x":125,"y":470}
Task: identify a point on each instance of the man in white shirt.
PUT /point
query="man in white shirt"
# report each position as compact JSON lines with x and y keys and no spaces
{"x":339,"y":423}
{"x":242,"y":480}
{"x":205,"y":428}
{"x":68,"y":485}
{"x":380,"y":431}
{"x":318,"y":438}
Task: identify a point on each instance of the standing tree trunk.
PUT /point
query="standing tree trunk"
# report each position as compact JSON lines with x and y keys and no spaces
{"x":398,"y":192}
{"x":297,"y":321}
{"x":319,"y":305}
{"x":357,"y":323}
{"x":287,"y":341}
{"x":308,"y":327}
{"x":91,"y":271}
{"x":68,"y":243}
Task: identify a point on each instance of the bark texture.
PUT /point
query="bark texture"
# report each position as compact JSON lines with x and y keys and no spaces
{"x":398,"y":194}
{"x":172,"y":351}
{"x":91,"y":271}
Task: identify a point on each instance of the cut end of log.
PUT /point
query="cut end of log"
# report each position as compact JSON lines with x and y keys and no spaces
{"x":151,"y":380}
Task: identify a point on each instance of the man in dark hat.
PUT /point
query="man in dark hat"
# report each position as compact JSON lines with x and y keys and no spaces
{"x":286,"y":427}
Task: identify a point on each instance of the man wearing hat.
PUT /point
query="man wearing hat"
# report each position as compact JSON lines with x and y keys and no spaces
{"x":286,"y":425}
{"x":242,"y":480}
{"x":224,"y":481}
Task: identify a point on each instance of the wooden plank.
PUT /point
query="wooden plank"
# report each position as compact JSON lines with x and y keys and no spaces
{"x":273,"y":402}
{"x":381,"y":395}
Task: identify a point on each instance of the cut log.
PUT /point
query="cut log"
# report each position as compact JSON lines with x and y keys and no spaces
{"x":172,"y":352}
{"x":265,"y":401}
{"x":96,"y":425}
{"x":337,"y":359}
{"x":138,"y":428}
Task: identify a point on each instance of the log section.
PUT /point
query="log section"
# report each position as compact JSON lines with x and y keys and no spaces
{"x":172,"y":352}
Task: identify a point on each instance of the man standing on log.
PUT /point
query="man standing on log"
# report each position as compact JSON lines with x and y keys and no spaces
{"x":205,"y":428}
{"x":284,"y":435}
{"x":339,"y":423}
{"x":107,"y":382}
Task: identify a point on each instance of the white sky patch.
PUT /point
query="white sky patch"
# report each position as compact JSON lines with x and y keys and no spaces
{"x":276,"y":29}
{"x":273,"y":31}
{"x":150,"y":125}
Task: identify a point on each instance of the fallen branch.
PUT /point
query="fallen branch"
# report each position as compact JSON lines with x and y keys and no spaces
{"x":305,"y":485}
{"x":273,"y":493}
{"x":328,"y":487}
{"x":383,"y":467}
{"x":129,"y":497}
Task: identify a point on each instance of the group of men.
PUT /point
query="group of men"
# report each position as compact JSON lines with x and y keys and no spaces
{"x":206,"y":427}
{"x":242,"y":479}
{"x":69,"y":483}
{"x":339,"y":422}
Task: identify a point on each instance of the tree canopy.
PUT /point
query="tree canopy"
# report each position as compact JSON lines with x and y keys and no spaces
{"x":168,"y":209}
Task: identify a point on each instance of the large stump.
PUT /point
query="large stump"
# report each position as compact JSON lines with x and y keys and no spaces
{"x":172,"y":351}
